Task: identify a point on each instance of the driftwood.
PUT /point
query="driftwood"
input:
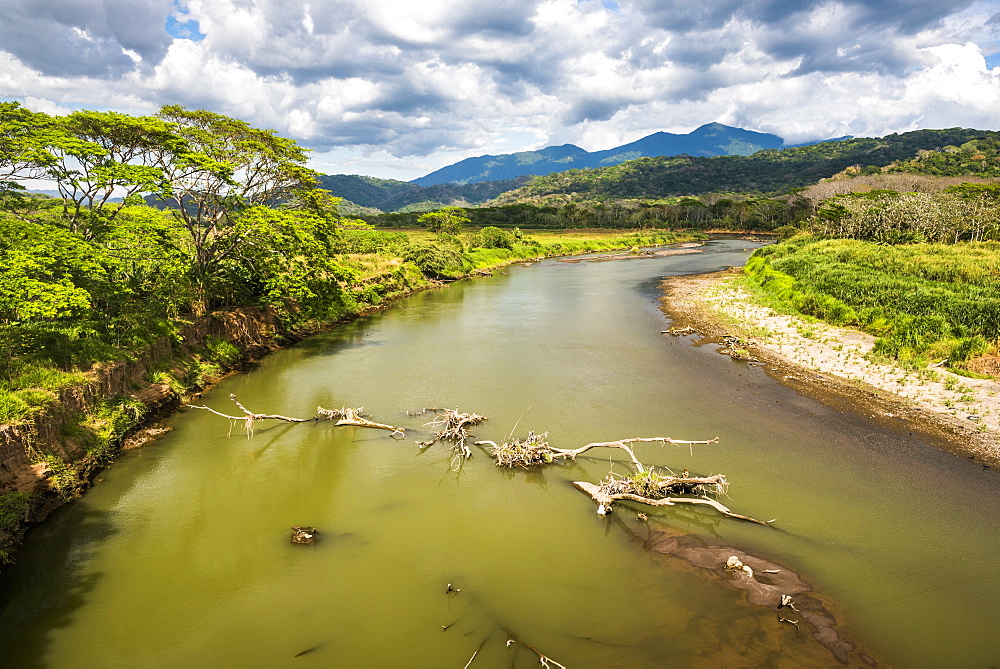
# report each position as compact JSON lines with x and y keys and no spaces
{"x":543,"y":660}
{"x":348,"y":416}
{"x":249,"y":417}
{"x":533,"y":450}
{"x":304,"y":535}
{"x":647,"y":486}
{"x":455,"y":429}
{"x":604,"y":500}
{"x":536,"y":451}
{"x":623,"y":444}
{"x":343,"y":416}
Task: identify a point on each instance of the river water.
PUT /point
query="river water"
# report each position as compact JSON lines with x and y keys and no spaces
{"x":181,"y":555}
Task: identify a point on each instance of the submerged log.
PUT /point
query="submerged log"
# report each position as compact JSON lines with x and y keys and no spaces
{"x":304,"y":535}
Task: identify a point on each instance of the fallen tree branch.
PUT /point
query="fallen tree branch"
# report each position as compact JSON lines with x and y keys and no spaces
{"x":536,"y":451}
{"x":455,"y":429}
{"x":348,"y":416}
{"x":623,"y":444}
{"x":249,"y":417}
{"x":343,"y":416}
{"x":604,"y":499}
{"x":544,"y":660}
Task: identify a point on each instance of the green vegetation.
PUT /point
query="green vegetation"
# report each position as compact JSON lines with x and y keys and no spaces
{"x":921,"y":300}
{"x":967,"y":212}
{"x":369,"y":195}
{"x":973,"y":158}
{"x":238,"y":221}
{"x":767,"y":172}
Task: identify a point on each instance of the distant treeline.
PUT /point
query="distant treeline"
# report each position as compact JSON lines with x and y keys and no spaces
{"x":678,"y":213}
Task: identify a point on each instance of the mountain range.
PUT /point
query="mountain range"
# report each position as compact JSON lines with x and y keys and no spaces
{"x":711,"y":139}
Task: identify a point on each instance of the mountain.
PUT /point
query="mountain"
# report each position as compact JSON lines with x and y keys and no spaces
{"x":712,"y":139}
{"x":769,"y":172}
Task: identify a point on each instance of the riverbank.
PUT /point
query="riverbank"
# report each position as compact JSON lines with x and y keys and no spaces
{"x":961,"y":414}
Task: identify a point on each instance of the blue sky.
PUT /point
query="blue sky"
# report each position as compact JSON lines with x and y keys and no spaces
{"x":397,"y":88}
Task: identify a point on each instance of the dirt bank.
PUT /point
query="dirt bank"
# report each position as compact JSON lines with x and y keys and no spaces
{"x":59,"y":444}
{"x":960,"y":414}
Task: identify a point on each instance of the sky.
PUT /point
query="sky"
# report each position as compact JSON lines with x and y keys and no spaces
{"x":399,"y":88}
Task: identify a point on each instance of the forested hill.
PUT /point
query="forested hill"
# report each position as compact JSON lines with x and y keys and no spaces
{"x":977,"y":157}
{"x":711,"y":139}
{"x":770,"y":172}
{"x":392,"y":195}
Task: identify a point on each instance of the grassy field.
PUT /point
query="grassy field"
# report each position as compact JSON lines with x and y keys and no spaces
{"x":922,"y":300}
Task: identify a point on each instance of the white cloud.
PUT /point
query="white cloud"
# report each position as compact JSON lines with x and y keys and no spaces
{"x":421,"y":85}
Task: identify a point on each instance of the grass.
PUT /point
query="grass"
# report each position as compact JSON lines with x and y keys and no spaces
{"x":920,"y":300}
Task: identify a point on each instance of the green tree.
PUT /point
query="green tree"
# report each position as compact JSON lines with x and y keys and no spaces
{"x":44,"y":272}
{"x":24,"y":136}
{"x":289,"y":255}
{"x":224,"y":167}
{"x":101,"y":156}
{"x":447,"y":220}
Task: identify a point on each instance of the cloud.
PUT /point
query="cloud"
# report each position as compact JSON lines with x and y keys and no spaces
{"x":83,"y":37}
{"x":454,"y":78}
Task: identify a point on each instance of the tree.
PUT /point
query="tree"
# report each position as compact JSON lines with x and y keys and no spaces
{"x":289,"y":255}
{"x":24,"y":136}
{"x":43,"y":272}
{"x":100,"y":156}
{"x":222,"y":168}
{"x":448,"y":220}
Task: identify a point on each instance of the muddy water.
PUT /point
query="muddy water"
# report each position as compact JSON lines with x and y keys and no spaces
{"x":180,"y":557}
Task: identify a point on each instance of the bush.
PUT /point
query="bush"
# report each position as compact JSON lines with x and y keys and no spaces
{"x":494,"y":238}
{"x":441,"y":262}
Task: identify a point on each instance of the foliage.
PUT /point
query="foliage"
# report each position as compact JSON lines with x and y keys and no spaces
{"x":979,"y":157}
{"x":736,"y":213}
{"x":392,"y":195}
{"x":448,"y":220}
{"x":13,"y":506}
{"x":101,"y":155}
{"x":45,"y":272}
{"x":967,"y":212}
{"x":770,"y":171}
{"x":492,"y":237}
{"x":920,"y":299}
{"x":434,"y":260}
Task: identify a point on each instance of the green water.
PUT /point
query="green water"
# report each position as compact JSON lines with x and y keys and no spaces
{"x":180,"y":557}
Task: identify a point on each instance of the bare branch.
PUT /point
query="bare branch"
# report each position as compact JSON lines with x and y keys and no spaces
{"x":604,"y":499}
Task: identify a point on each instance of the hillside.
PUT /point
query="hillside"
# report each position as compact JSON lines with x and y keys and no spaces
{"x":977,"y":157}
{"x":391,"y":195}
{"x":771,"y":171}
{"x":712,"y":139}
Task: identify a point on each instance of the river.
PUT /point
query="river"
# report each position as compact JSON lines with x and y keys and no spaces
{"x":180,"y":556}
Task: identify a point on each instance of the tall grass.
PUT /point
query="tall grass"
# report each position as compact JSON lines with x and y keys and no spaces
{"x":920,"y":300}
